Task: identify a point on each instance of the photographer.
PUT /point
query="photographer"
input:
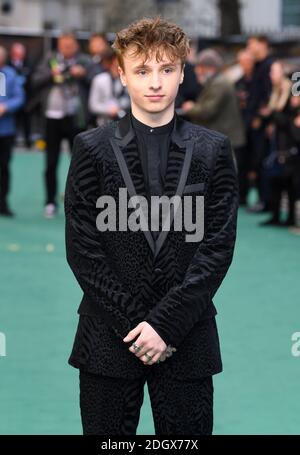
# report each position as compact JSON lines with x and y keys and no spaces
{"x":63,"y":89}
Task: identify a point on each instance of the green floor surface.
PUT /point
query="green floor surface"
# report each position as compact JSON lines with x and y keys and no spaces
{"x":258,"y":306}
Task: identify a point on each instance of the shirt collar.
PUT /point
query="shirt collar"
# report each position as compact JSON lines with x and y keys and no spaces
{"x":146,"y":129}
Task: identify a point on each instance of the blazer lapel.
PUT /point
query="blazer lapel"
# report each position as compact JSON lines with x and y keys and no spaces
{"x":179,"y":158}
{"x":126,"y":151}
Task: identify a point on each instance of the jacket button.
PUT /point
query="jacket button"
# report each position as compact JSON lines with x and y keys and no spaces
{"x":157,"y":271}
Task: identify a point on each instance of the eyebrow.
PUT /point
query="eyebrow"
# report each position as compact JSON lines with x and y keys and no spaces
{"x":164,"y":65}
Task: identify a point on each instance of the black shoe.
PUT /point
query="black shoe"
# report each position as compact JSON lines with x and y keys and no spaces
{"x":257,"y":208}
{"x":266,"y":208}
{"x":288,"y":223}
{"x":5,"y":211}
{"x":270,"y":222}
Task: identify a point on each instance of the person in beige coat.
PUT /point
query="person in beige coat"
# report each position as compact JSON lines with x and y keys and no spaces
{"x":217,"y":105}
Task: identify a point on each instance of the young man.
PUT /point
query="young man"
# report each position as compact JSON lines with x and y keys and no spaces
{"x":147,"y":313}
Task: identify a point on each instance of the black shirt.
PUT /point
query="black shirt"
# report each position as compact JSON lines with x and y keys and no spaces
{"x":153,"y":144}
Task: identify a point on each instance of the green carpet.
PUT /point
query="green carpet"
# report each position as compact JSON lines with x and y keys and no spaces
{"x":258,"y":306}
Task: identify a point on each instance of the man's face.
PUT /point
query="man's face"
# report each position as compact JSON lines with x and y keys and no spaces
{"x":257,"y":48}
{"x":252,"y":46}
{"x":203,"y":73}
{"x":246,"y":62}
{"x":97,"y":46}
{"x":67,"y":46}
{"x":17,"y":52}
{"x":152,"y":85}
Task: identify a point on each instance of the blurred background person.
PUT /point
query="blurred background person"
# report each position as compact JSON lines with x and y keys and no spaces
{"x":98,"y":45}
{"x":108,"y":99}
{"x":282,"y":132}
{"x":217,"y":105}
{"x":19,"y":61}
{"x":12,"y":99}
{"x":295,"y":132}
{"x":190,"y":88}
{"x":259,"y":47}
{"x":243,"y":88}
{"x":62,"y":81}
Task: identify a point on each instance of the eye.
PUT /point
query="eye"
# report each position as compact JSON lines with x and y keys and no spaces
{"x":142,"y":72}
{"x":168,"y":70}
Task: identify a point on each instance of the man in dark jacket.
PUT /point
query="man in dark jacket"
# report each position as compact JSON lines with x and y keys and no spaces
{"x":243,"y":90}
{"x":147,"y":313}
{"x":259,"y":47}
{"x":62,"y":81}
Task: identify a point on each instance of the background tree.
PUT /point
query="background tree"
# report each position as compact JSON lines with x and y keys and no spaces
{"x":230,"y":17}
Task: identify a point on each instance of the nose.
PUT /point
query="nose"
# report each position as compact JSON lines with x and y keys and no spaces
{"x":155,"y":81}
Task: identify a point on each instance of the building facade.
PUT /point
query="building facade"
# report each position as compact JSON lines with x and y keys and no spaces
{"x":197,"y":17}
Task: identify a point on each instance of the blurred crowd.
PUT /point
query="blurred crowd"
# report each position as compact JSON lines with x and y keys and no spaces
{"x":73,"y":91}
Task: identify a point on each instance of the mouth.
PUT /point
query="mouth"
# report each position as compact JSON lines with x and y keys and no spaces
{"x":154,"y":97}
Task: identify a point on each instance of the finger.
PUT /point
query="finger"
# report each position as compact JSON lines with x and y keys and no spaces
{"x":144,"y":348}
{"x":146,"y":360}
{"x":133,"y":333}
{"x":142,"y":351}
{"x":162,"y":358}
{"x":134,"y":350}
{"x":139,"y":343}
{"x":155,"y":358}
{"x":169,"y":353}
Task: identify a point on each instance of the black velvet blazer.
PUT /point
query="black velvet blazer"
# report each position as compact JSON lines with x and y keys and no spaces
{"x":128,"y":277}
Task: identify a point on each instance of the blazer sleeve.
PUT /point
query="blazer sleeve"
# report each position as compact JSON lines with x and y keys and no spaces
{"x":184,"y":304}
{"x":84,"y":250}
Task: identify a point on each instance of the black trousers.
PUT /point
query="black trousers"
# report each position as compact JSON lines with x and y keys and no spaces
{"x":242,"y":159}
{"x":23,"y":119}
{"x":56,"y":131}
{"x":6,"y":143}
{"x":278,"y":185}
{"x":260,"y":150}
{"x":111,"y":406}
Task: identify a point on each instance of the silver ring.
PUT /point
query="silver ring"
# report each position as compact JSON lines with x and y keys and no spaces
{"x":149,"y":357}
{"x":136,"y":347}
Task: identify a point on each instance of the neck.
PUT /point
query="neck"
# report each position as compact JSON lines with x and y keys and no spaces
{"x":154,"y":119}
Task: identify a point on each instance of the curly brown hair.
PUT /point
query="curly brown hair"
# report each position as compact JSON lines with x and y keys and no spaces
{"x":147,"y":35}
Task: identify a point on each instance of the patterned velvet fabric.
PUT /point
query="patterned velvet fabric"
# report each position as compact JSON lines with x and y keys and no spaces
{"x":128,"y":277}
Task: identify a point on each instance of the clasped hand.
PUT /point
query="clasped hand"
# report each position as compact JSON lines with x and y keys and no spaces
{"x":150,"y":343}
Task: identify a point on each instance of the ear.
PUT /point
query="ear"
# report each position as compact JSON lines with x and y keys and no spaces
{"x":122,"y":76}
{"x":182,"y":74}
